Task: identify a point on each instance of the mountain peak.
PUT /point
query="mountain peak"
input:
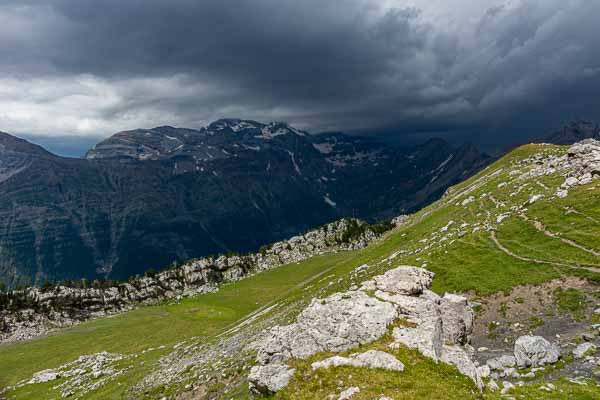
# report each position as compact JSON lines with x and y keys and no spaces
{"x":210,"y":142}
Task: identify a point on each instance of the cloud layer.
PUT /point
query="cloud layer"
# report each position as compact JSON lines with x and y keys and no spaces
{"x":472,"y":67}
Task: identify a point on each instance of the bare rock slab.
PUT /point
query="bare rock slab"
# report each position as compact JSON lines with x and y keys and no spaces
{"x":406,"y":280}
{"x":369,"y":359}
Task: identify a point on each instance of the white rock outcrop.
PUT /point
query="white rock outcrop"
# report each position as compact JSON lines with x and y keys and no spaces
{"x":438,"y":327}
{"x":404,"y":280}
{"x":44,"y":376}
{"x":348,"y":393}
{"x":368,"y":359}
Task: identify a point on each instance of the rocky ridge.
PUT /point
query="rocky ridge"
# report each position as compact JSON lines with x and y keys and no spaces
{"x":573,"y":132}
{"x":33,"y":311}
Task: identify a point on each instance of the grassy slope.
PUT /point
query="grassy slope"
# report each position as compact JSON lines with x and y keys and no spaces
{"x":472,"y":262}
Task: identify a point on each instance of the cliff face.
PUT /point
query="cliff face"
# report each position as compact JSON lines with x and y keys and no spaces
{"x":146,"y":198}
{"x":28,"y":313}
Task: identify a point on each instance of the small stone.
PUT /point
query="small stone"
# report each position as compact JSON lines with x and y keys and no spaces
{"x":348,"y":393}
{"x":501,"y":362}
{"x":506,"y":387}
{"x":510,"y":373}
{"x":584,"y":349}
{"x":493,"y":386}
{"x":484,"y":371}
{"x":589,"y":337}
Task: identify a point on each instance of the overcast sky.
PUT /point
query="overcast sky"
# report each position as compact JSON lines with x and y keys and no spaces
{"x":487,"y":71}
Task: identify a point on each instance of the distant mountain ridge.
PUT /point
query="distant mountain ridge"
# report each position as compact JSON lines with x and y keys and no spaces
{"x":574,"y":131}
{"x":145,"y":198}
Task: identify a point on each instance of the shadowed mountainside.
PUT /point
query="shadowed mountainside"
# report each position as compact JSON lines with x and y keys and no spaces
{"x":146,"y":198}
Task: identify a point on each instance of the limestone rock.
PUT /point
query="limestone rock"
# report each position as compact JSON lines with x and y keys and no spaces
{"x":584,"y":349}
{"x":506,"y":387}
{"x":415,"y":309}
{"x":63,"y":306}
{"x":348,"y":393}
{"x":457,"y":318}
{"x":502,"y":362}
{"x":534,"y":351}
{"x":405,"y":280}
{"x":368,"y":359}
{"x":427,"y":338}
{"x":267,"y":379}
{"x":399,"y":220}
{"x":457,"y":356}
{"x":484,"y":371}
{"x":346,"y":320}
{"x":337,"y":323}
{"x":44,"y":376}
{"x":492,"y":386}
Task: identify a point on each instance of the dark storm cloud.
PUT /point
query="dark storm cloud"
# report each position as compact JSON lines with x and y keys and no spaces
{"x":344,"y":64}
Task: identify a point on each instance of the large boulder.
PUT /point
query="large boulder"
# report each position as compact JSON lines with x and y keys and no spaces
{"x":534,"y":351}
{"x":406,"y":280}
{"x":267,"y":379}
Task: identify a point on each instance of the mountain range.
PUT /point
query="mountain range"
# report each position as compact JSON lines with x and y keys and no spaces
{"x":490,"y":292}
{"x":147,"y":198}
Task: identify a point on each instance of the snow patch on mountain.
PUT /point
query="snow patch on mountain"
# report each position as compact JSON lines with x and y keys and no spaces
{"x":293,"y":157}
{"x":329,"y":201}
